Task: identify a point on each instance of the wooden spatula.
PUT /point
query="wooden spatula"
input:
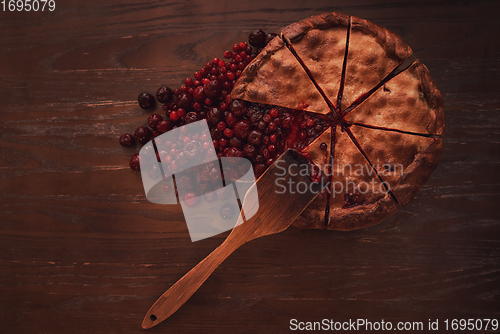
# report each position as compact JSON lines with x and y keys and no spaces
{"x":285,"y":190}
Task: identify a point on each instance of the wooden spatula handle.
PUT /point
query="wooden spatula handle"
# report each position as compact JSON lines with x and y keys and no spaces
{"x":184,"y":288}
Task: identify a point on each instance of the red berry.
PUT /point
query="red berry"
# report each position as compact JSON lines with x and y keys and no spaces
{"x":199,"y":94}
{"x":236,"y":47}
{"x":134,"y":163}
{"x":242,"y":129}
{"x":146,"y":100}
{"x":164,"y":94}
{"x":181,"y":112}
{"x":274,"y":112}
{"x":153,"y":120}
{"x":127,"y":140}
{"x":221,"y":126}
{"x":188,"y":82}
{"x":173,"y":115}
{"x":227,"y":54}
{"x":142,"y":134}
{"x":228,"y":132}
{"x":190,"y":199}
{"x":258,"y":38}
{"x":223,"y":142}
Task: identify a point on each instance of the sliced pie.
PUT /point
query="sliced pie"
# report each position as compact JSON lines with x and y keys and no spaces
{"x":379,"y":108}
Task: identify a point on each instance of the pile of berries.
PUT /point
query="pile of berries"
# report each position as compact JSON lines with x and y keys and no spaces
{"x":237,"y":128}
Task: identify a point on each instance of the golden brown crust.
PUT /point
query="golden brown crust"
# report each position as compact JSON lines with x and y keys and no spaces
{"x":418,"y":172}
{"x":296,"y":31}
{"x":433,"y":97}
{"x":392,"y":43}
{"x":408,"y":102}
{"x":275,"y":77}
{"x":346,"y":219}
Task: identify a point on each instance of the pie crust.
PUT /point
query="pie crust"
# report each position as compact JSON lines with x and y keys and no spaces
{"x":381,"y":116}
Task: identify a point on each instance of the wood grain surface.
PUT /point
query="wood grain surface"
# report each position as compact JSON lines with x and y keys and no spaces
{"x":83,"y":251}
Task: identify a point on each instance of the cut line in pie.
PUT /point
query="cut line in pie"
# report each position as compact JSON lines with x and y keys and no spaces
{"x":377,"y":103}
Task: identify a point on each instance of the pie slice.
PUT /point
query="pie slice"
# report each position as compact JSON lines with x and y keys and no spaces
{"x":373,"y":52}
{"x":404,"y":161}
{"x":358,"y":196}
{"x":320,"y":42}
{"x":409,"y":102}
{"x":275,"y":77}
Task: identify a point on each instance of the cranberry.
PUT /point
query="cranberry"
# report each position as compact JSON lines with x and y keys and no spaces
{"x":199,"y":94}
{"x":237,"y":108}
{"x":134,"y":163}
{"x":153,"y":120}
{"x":255,"y":116}
{"x":197,"y":76}
{"x":142,"y":134}
{"x":267,"y":118}
{"x":185,"y":100}
{"x":146,"y":100}
{"x":236,"y":48}
{"x":234,"y":152}
{"x":127,"y":140}
{"x":230,"y":119}
{"x":223,"y":142}
{"x":241,"y":129}
{"x":212,"y":89}
{"x":221,"y":126}
{"x":191,"y":117}
{"x":173,"y":115}
{"x":164,"y":94}
{"x":272,"y":126}
{"x":228,"y":132}
{"x":249,"y":150}
{"x":214,"y":116}
{"x":310,"y":122}
{"x":258,"y":38}
{"x":190,"y":199}
{"x":235,"y":142}
{"x":164,"y":126}
{"x":254,"y":137}
{"x":227,"y":54}
{"x":302,"y":135}
{"x":259,"y":169}
{"x":323,"y":146}
{"x":227,"y":211}
{"x":181,"y":112}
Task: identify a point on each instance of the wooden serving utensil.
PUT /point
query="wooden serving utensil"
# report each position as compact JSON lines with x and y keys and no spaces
{"x":285,"y":190}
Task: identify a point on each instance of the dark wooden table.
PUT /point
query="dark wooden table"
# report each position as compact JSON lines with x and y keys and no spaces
{"x":83,"y":251}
